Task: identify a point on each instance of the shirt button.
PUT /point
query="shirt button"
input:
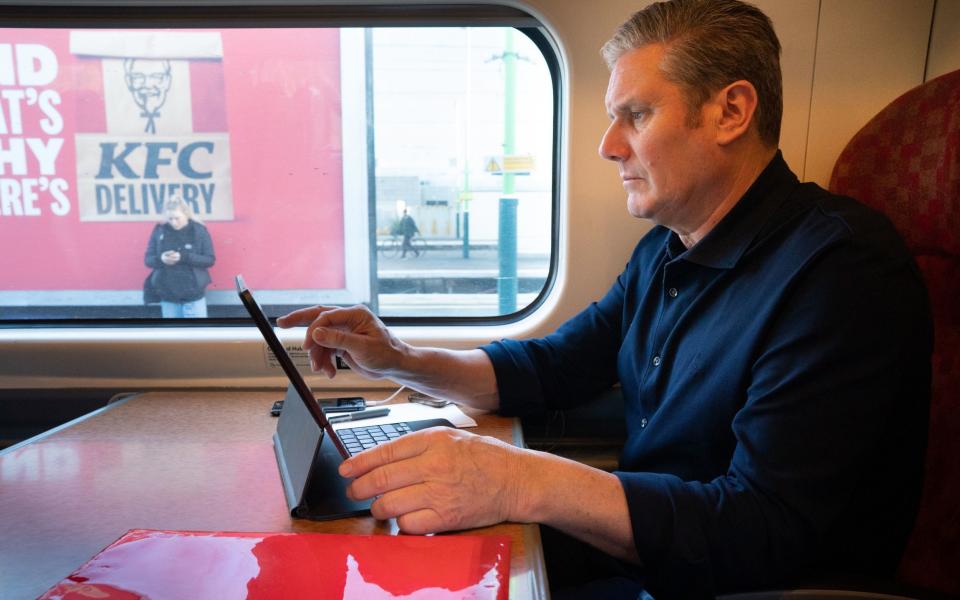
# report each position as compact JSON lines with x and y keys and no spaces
{"x":643,"y":422}
{"x":673,"y":292}
{"x":656,"y":361}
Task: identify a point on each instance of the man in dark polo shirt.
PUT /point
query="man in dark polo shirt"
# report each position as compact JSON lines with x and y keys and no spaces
{"x":772,"y":342}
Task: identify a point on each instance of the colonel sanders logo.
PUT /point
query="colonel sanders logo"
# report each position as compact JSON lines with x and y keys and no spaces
{"x":149,"y":82}
{"x":161,"y":127}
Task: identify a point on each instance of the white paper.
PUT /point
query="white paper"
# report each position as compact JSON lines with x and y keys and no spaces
{"x":411,"y":411}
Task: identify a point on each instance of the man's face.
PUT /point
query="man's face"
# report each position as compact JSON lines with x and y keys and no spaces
{"x":664,"y":162}
{"x":149,"y":80}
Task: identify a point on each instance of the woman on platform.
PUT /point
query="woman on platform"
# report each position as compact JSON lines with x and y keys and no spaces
{"x":180,"y":252}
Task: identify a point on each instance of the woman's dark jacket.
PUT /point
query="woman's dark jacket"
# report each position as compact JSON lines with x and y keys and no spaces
{"x":188,"y":279}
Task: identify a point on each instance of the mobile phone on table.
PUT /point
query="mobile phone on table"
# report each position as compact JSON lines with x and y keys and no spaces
{"x":276,"y":408}
{"x":329,"y":405}
{"x":339,"y":405}
{"x":419,"y":398}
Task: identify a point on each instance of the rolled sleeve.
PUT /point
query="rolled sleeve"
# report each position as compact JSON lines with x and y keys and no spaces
{"x":565,"y":369}
{"x":517,"y":383}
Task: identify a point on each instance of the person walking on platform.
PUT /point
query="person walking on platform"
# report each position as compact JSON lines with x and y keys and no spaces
{"x":408,"y":229}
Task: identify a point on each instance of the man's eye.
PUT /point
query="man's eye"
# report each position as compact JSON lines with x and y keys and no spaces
{"x":638,"y":115}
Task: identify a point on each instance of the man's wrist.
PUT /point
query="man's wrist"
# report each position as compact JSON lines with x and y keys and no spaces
{"x":408,"y":360}
{"x":530,"y":487}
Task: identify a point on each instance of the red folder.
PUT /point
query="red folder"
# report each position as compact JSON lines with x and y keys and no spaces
{"x":196,"y":564}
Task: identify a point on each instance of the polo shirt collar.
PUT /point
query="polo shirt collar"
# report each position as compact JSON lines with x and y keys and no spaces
{"x":730,"y":238}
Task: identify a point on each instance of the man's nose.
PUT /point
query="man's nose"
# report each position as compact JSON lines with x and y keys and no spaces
{"x":612,"y":144}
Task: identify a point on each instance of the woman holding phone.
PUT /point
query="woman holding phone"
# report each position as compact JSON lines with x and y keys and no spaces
{"x":180,"y":252}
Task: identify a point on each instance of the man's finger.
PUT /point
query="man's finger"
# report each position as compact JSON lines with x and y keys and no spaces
{"x":321,"y":359}
{"x":299,"y":317}
{"x":400,"y":502}
{"x":339,"y":340}
{"x":302,"y":316}
{"x":350,"y":317}
{"x":422,"y":521}
{"x":387,"y":478}
{"x":408,"y":446}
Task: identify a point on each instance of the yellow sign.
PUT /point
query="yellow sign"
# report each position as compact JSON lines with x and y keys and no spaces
{"x":518,"y":164}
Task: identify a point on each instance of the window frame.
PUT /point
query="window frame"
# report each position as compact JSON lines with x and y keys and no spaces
{"x":221,"y":15}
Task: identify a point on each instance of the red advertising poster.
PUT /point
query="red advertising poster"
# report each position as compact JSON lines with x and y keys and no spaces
{"x":99,"y":128}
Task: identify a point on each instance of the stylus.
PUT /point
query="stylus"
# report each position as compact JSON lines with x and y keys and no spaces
{"x":341,"y":409}
{"x":362,"y":414}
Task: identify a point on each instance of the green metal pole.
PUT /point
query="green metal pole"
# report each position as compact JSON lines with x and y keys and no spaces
{"x":507,"y":281}
{"x":509,"y":107}
{"x":465,"y":196}
{"x":465,"y":217}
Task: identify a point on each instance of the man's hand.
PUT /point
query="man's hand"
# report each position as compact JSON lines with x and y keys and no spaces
{"x":170,"y":257}
{"x":353,"y":333}
{"x":440,"y":479}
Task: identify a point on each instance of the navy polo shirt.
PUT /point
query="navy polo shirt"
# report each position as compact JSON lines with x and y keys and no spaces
{"x":776,"y":381}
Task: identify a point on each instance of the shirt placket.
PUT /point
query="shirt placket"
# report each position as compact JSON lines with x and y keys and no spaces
{"x":671,"y":301}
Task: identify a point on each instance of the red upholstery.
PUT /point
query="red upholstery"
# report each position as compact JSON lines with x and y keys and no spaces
{"x":906,"y":163}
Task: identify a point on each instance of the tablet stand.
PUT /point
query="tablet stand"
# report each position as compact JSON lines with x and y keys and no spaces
{"x":308,"y":464}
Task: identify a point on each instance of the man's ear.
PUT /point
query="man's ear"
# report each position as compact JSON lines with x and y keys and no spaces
{"x":737,"y":105}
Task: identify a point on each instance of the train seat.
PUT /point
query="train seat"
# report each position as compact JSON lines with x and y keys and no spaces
{"x":905,"y":163}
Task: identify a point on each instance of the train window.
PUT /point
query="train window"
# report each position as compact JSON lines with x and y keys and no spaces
{"x":405,"y":164}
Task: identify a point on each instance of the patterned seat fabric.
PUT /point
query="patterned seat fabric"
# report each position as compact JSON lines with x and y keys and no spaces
{"x":906,"y":163}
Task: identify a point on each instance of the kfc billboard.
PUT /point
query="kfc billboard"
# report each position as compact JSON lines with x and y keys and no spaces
{"x":165,"y":131}
{"x":98,"y":129}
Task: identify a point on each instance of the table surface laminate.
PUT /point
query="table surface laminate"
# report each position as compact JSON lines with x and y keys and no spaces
{"x":179,"y":460}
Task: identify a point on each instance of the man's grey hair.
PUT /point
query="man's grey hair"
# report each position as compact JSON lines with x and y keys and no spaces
{"x":710,"y":44}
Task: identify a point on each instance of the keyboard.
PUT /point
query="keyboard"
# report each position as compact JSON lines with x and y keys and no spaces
{"x":358,"y":439}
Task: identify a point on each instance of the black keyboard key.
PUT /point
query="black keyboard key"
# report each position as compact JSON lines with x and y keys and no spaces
{"x":358,"y":439}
